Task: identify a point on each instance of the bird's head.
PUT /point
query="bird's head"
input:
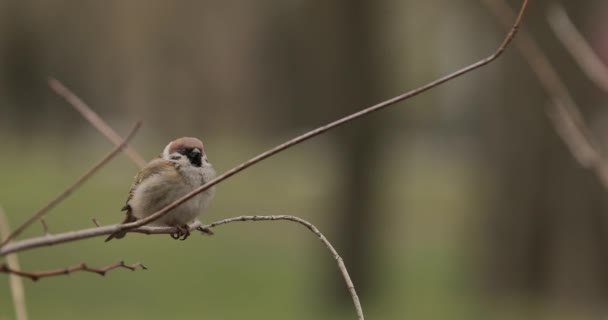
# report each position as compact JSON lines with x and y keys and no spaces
{"x":187,"y":150}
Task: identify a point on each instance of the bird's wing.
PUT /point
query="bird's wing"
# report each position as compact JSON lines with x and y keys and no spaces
{"x":154,"y":167}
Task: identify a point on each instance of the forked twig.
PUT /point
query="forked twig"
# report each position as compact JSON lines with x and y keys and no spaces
{"x":73,"y":187}
{"x":577,"y":46}
{"x":567,"y":118}
{"x":94,"y":119}
{"x":15,"y":283}
{"x":35,"y":276}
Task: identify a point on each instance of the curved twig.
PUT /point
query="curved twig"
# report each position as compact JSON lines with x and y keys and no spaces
{"x":313,"y":229}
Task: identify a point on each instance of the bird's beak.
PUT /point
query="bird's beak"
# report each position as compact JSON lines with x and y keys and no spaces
{"x":195,"y":157}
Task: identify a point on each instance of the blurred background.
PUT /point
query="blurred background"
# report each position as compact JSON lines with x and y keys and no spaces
{"x":462,"y":203}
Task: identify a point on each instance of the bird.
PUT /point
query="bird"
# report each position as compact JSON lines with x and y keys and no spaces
{"x":181,"y":167}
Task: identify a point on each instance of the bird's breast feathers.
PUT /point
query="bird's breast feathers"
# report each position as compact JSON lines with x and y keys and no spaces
{"x":160,"y":183}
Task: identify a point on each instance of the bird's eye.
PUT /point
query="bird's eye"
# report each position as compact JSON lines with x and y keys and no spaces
{"x":194,"y":153}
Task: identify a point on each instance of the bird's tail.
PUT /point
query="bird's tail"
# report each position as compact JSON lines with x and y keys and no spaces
{"x":117,"y":235}
{"x":121,"y":234}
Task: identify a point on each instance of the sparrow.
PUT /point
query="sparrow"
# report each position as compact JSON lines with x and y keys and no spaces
{"x":182,"y":167}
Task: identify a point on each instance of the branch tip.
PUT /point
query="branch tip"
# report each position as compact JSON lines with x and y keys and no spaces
{"x":94,"y":119}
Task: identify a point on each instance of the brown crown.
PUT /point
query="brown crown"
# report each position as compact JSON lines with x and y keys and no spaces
{"x":185,"y":143}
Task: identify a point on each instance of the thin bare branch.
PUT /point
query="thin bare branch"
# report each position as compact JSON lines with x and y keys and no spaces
{"x":63,"y":195}
{"x":49,"y":240}
{"x":567,"y":118}
{"x":35,"y":276}
{"x":567,"y":128}
{"x":16,"y":285}
{"x":577,"y":46}
{"x":95,"y":120}
{"x":315,"y":230}
{"x":335,"y":124}
{"x":95,"y":222}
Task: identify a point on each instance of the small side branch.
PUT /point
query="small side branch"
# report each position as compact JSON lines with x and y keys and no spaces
{"x":45,"y":226}
{"x":35,"y":276}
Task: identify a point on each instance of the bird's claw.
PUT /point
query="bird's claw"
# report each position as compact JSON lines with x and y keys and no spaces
{"x":182,"y":233}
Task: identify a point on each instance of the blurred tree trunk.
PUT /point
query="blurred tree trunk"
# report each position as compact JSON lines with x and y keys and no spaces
{"x":21,"y":57}
{"x":357,"y":85}
{"x":545,"y":229}
{"x":332,"y":69}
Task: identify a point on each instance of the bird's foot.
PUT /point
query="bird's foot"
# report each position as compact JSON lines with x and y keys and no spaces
{"x":183,"y":232}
